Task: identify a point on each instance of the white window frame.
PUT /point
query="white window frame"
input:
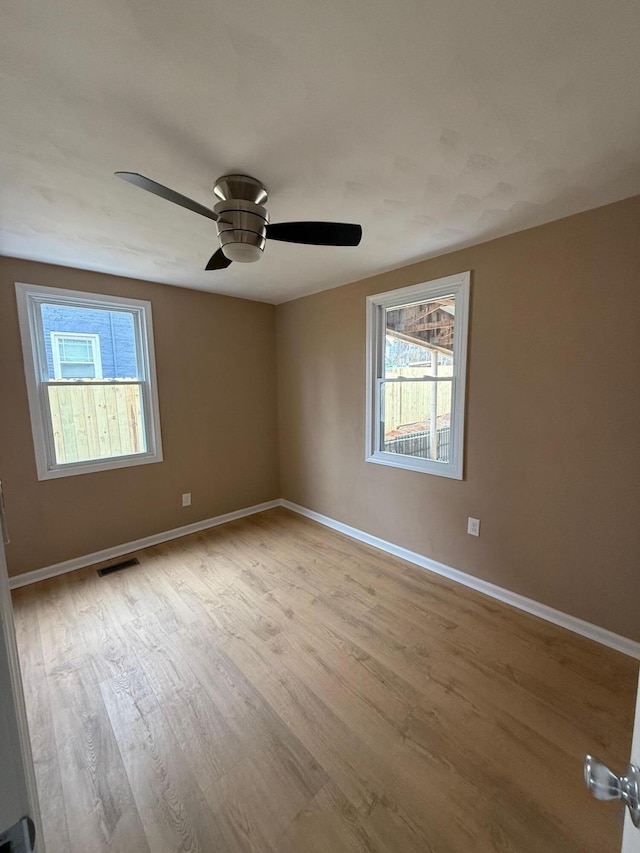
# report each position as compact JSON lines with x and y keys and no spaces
{"x":94,"y":340}
{"x":456,"y":285}
{"x":29,"y":298}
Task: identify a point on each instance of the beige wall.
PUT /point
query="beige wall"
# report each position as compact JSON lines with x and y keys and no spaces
{"x":553,"y":417}
{"x":215,"y":358}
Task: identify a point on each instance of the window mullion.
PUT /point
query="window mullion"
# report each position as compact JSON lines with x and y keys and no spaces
{"x":401,"y":379}
{"x":70,"y":383}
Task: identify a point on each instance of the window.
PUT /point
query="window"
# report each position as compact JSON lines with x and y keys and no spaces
{"x":76,"y":356}
{"x":416,"y":372}
{"x":90,"y":371}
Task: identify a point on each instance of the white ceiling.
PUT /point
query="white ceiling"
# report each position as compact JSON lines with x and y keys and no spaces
{"x":434,"y":124}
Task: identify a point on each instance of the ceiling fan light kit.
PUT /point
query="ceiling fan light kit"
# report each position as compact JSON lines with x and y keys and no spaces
{"x":242,"y":226}
{"x":242,"y":221}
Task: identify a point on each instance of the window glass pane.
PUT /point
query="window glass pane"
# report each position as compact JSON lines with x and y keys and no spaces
{"x":96,"y":421}
{"x":75,"y":349}
{"x":69,"y":370}
{"x":416,"y":419}
{"x":418,"y":335}
{"x":115,"y":340}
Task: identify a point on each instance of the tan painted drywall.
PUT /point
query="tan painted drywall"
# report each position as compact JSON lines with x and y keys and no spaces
{"x":215,"y":359}
{"x":553,"y":417}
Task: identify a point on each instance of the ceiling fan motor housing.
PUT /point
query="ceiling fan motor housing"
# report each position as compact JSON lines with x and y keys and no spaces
{"x":242,"y":229}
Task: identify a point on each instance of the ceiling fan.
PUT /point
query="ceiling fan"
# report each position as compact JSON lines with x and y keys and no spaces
{"x":243,"y":223}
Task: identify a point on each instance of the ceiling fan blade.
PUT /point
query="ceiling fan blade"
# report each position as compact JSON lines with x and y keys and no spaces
{"x":316,"y":233}
{"x":218,"y":261}
{"x":164,"y":192}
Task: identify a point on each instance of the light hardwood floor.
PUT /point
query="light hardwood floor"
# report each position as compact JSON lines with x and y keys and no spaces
{"x":273,"y":686}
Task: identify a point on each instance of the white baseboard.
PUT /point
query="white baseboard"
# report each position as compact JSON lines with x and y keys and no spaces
{"x":137,"y":545}
{"x":543,"y":611}
{"x":565,"y":620}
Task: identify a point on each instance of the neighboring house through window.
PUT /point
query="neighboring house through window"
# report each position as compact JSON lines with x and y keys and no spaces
{"x":90,"y":371}
{"x":76,"y":356}
{"x":416,"y":372}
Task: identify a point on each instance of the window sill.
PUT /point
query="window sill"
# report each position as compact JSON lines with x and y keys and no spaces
{"x":94,"y":465}
{"x":423,"y":466}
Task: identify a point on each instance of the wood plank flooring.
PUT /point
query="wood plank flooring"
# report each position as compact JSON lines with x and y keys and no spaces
{"x":271,"y":686}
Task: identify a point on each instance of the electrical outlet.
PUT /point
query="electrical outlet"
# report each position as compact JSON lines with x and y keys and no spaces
{"x":473,"y":526}
{"x":186,"y":499}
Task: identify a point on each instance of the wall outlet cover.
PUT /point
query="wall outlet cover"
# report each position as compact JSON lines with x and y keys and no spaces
{"x":473,"y":526}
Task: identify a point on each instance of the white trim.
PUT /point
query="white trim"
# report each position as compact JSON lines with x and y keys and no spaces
{"x":458,"y":285}
{"x":137,"y":545}
{"x":543,"y":611}
{"x":13,"y":700}
{"x":631,"y":836}
{"x":36,"y":374}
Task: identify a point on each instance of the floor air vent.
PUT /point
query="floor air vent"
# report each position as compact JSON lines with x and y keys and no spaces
{"x":108,"y":570}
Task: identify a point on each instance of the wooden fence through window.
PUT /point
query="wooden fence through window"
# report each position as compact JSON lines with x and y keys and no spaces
{"x":96,"y":421}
